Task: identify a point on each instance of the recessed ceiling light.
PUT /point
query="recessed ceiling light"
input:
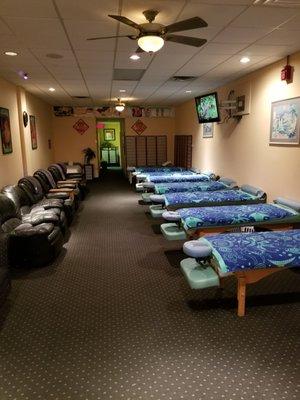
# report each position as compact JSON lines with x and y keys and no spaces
{"x":51,"y":89}
{"x":25,"y":76}
{"x":244,"y":60}
{"x":10,"y":53}
{"x":188,"y":91}
{"x":134,"y":57}
{"x":122,"y":90}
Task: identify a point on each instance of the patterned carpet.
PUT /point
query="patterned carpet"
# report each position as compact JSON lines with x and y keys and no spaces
{"x":113,"y":318}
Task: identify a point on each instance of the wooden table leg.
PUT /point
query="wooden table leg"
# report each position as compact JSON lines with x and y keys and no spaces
{"x":241,"y":296}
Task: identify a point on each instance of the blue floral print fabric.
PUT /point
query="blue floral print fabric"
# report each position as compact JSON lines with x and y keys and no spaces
{"x":219,"y":196}
{"x":173,"y":187}
{"x":197,"y":217}
{"x":243,"y":251}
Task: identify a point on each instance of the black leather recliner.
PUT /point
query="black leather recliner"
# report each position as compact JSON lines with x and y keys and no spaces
{"x":38,"y":192}
{"x":61,"y":179}
{"x":52,"y":211}
{"x":46,"y":179}
{"x":74,"y":171}
{"x":4,"y":273}
{"x":29,"y":245}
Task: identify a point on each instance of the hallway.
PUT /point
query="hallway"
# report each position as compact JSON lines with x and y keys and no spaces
{"x":113,"y":318}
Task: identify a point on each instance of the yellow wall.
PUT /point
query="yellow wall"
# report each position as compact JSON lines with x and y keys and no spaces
{"x":68,"y":143}
{"x":41,"y":157}
{"x":23,"y":159}
{"x":242,"y":151}
{"x":11,"y":168}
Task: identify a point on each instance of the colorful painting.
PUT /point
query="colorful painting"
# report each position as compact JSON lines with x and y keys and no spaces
{"x":5,"y":131}
{"x":285,"y":121}
{"x":33,"y":133}
{"x":208,"y":130}
{"x":109,"y":134}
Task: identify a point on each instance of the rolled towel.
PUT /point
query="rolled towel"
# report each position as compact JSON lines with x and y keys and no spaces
{"x":172,"y":216}
{"x":196,"y":249}
{"x":157,"y":198}
{"x":293,"y":204}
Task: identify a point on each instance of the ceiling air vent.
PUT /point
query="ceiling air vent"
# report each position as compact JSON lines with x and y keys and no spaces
{"x":179,"y":78}
{"x":277,"y":3}
{"x":81,"y":97}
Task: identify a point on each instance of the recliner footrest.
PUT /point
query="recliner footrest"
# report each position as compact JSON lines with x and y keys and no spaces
{"x":146,"y":197}
{"x":156,"y":211}
{"x":197,"y":276}
{"x":172,"y":231}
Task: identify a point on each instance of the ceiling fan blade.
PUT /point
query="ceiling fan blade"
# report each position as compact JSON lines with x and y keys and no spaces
{"x":190,"y":41}
{"x":185,"y":25}
{"x":112,"y":37}
{"x":126,"y":21}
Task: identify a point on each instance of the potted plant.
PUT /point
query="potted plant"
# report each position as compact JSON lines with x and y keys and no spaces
{"x":89,"y":154}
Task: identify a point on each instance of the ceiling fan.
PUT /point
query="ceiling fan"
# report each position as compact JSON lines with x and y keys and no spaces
{"x":151,"y":35}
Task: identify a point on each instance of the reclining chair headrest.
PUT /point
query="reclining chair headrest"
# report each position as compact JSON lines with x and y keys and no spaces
{"x":17,"y":195}
{"x":7,"y":209}
{"x":46,"y":174}
{"x":32,"y":187}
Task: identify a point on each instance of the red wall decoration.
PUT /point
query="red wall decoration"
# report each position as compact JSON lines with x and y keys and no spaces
{"x":80,"y":126}
{"x":138,"y":127}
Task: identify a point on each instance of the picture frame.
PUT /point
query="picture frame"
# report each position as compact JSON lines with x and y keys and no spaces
{"x":33,"y":132}
{"x":285,"y":122}
{"x":109,"y":134}
{"x":207,"y":130}
{"x":5,"y":131}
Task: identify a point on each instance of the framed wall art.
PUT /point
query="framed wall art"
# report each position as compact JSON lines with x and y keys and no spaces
{"x":109,"y":134}
{"x":285,"y":121}
{"x":5,"y":131}
{"x":208,"y":130}
{"x":33,"y":132}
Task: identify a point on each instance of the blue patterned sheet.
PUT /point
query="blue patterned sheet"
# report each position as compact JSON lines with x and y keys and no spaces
{"x":158,"y":169}
{"x":150,"y":175}
{"x":220,"y":216}
{"x":243,"y":251}
{"x":179,"y":178}
{"x":174,"y":187}
{"x":218,"y":197}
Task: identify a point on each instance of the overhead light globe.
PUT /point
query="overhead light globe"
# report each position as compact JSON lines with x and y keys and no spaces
{"x":120,"y":106}
{"x":151,"y":43}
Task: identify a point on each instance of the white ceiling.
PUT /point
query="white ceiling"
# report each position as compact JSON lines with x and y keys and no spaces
{"x":236,"y":28}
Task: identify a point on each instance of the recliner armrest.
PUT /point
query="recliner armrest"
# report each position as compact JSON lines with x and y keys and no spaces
{"x":61,"y":190}
{"x":66,"y":185}
{"x":58,"y":196}
{"x":28,"y":230}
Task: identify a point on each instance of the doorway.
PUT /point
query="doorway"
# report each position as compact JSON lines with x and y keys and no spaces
{"x":109,"y":139}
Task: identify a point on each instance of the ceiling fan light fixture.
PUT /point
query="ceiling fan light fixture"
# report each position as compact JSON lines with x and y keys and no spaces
{"x":120,"y":106}
{"x":151,"y":43}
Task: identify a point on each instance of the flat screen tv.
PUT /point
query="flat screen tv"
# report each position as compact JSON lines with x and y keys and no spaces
{"x":207,"y":108}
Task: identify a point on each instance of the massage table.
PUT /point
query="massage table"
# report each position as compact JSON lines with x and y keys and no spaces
{"x":178,"y":177}
{"x":206,"y":186}
{"x":250,"y":257}
{"x":172,"y":201}
{"x":134,"y":171}
{"x":176,"y":187}
{"x":196,"y":221}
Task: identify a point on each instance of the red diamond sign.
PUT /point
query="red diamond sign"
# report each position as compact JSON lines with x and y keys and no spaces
{"x":81,"y":126}
{"x":139,"y":127}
